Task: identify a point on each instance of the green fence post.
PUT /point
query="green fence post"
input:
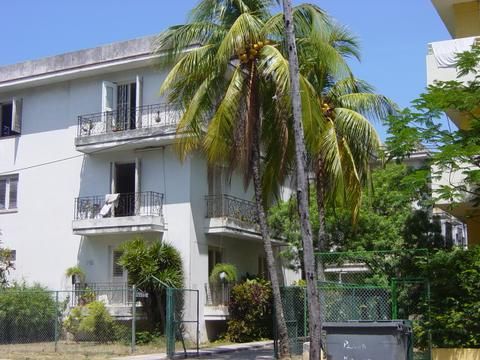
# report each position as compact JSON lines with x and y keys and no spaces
{"x":56,"y":320}
{"x":394,"y":300}
{"x":134,"y":313}
{"x":169,"y":324}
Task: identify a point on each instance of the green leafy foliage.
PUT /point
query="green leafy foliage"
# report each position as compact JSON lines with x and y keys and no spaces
{"x":250,"y":311}
{"x":6,"y":264}
{"x":452,"y":150}
{"x":386,"y":220}
{"x":93,"y":322}
{"x":230,"y":271}
{"x":27,"y":314}
{"x":455,"y":294}
{"x":152,"y":266}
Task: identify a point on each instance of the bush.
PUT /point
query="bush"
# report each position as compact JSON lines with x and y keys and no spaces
{"x":146,"y":263}
{"x":93,"y":323}
{"x":229,"y":270}
{"x":27,"y":314}
{"x":250,"y":311}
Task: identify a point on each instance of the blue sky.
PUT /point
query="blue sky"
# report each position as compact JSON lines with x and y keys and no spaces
{"x":393,"y":34}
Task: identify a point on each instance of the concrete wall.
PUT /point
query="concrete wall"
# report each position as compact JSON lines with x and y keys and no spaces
{"x":456,"y":354}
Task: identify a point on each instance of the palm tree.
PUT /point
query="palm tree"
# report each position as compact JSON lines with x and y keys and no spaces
{"x":347,"y":144}
{"x":315,"y":324}
{"x":224,"y":65}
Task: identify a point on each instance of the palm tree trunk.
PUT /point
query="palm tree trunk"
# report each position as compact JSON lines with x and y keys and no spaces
{"x":322,"y":229}
{"x":315,"y":322}
{"x":284,"y":350}
{"x":272,"y":270}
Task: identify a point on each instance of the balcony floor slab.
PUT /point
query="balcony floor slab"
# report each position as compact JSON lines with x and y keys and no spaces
{"x":119,"y":225}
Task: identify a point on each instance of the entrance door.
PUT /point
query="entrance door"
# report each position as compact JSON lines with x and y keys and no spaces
{"x":125,"y":186}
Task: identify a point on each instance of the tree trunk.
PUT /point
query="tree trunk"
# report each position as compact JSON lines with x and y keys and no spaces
{"x":322,"y":229}
{"x":315,"y":322}
{"x":284,"y":350}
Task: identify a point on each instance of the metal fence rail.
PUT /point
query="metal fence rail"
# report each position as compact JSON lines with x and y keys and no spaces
{"x":126,"y":118}
{"x":232,"y":207}
{"x":129,"y":204}
{"x":182,"y":323}
{"x":218,"y":294}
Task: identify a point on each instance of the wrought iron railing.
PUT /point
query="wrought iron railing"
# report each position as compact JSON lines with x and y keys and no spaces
{"x":110,"y":293}
{"x":231,"y":207}
{"x":127,"y":204}
{"x":127,"y":118}
{"x":218,"y":294}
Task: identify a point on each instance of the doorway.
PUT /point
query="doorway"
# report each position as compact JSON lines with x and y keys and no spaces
{"x":125,"y":186}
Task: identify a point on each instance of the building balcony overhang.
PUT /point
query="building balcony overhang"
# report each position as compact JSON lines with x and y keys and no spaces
{"x":215,"y":313}
{"x":118,"y":225}
{"x":128,"y":213}
{"x":233,"y":217}
{"x":143,"y":126}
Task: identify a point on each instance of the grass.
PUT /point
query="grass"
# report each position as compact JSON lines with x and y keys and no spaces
{"x":88,"y":350}
{"x":75,"y":350}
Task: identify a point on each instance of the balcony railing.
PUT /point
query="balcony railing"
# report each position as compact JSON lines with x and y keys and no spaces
{"x":231,"y":207}
{"x":108,"y":292}
{"x":218,"y":294}
{"x":127,"y":204}
{"x":126,"y":118}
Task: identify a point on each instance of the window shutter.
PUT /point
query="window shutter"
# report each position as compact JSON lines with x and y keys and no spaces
{"x":139,"y":101}
{"x":17,"y":116}
{"x":3,"y":194}
{"x":109,"y":96}
{"x":12,"y":203}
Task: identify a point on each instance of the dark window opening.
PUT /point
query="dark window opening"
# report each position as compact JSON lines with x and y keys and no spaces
{"x":6,"y":119}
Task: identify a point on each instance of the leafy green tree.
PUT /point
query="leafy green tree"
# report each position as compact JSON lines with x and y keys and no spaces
{"x":6,"y":264}
{"x":454,"y":150}
{"x":152,"y":266}
{"x":455,"y":298}
{"x":387,"y":219}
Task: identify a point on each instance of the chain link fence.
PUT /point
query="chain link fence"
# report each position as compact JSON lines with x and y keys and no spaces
{"x":364,"y":286}
{"x":92,"y":322}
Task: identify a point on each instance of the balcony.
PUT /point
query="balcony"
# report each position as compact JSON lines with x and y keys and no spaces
{"x":125,"y":213}
{"x":125,"y":128}
{"x":231,"y":216}
{"x":217,"y":299}
{"x":117,"y":297}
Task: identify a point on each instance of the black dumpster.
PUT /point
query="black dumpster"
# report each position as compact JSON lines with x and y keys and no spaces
{"x":368,"y":340}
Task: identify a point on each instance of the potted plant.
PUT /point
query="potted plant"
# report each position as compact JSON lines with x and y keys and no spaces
{"x":77,"y":275}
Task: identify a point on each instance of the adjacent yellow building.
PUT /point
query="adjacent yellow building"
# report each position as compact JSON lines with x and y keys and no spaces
{"x":462,"y":19}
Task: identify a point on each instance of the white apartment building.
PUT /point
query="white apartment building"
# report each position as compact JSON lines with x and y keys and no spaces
{"x":81,"y":127}
{"x":462,"y":19}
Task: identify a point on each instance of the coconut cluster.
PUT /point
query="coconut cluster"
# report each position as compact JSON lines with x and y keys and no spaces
{"x":251,"y":51}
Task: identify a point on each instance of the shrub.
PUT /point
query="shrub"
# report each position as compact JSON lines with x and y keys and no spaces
{"x":146,"y":263}
{"x":92,"y":323}
{"x":250,"y":311}
{"x":229,"y":270}
{"x":27,"y":314}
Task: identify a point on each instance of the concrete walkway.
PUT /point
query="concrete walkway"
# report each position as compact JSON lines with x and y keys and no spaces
{"x":254,"y":350}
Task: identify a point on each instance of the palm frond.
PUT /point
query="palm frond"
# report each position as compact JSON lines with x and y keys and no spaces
{"x":219,"y":139}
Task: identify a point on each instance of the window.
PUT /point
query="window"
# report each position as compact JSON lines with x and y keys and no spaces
{"x":214,"y":258}
{"x":117,"y":269}
{"x":10,"y":118}
{"x":8,"y":192}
